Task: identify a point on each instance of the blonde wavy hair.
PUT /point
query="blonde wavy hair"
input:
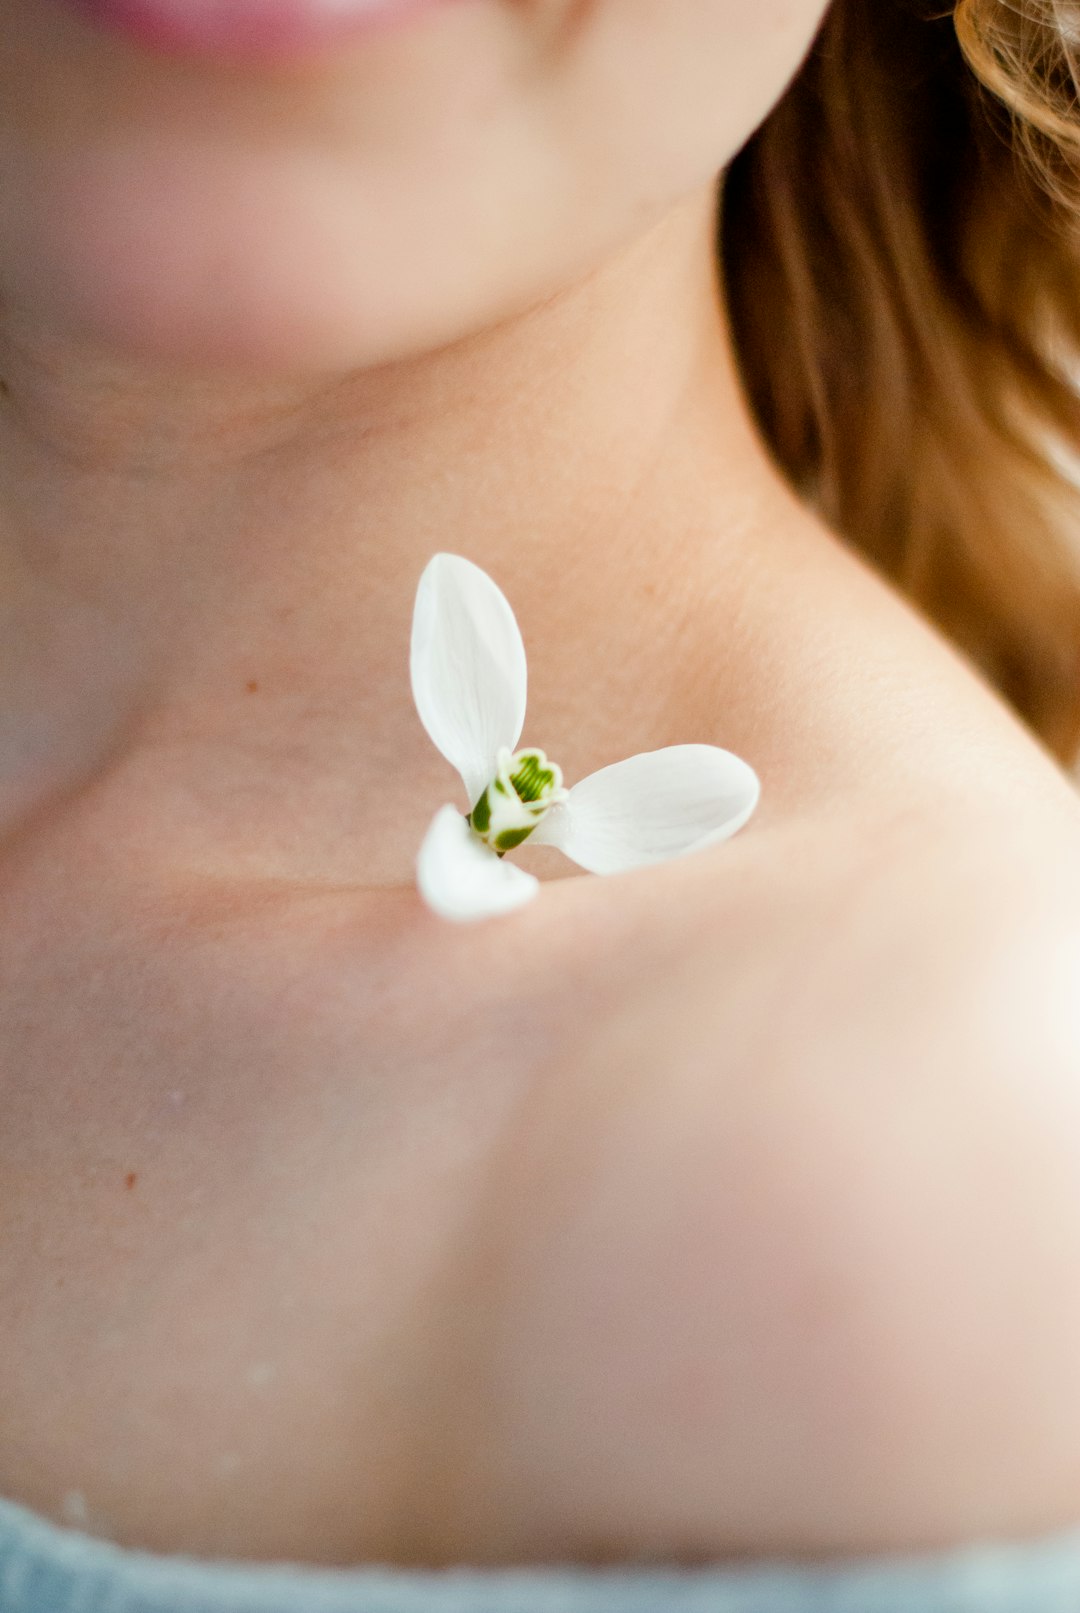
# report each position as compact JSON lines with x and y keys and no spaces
{"x":901,"y":247}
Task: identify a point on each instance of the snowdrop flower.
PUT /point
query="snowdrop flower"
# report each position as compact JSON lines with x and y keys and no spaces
{"x":469,"y":682}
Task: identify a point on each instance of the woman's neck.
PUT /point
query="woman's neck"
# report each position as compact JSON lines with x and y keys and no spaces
{"x":219,"y":573}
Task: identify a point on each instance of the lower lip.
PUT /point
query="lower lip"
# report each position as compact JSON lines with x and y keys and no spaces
{"x":247,"y":30}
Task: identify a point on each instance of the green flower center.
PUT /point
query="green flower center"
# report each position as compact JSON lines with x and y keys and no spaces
{"x":525,"y":788}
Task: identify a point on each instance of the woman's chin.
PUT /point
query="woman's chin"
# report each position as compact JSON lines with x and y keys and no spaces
{"x":242,"y":263}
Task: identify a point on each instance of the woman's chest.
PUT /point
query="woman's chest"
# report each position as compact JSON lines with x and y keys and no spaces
{"x":331,"y":1234}
{"x":264,"y":1180}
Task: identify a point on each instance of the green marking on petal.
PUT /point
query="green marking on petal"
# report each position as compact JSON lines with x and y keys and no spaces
{"x":509,"y":839}
{"x":481,"y":813}
{"x":519,"y":797}
{"x":533,"y":779}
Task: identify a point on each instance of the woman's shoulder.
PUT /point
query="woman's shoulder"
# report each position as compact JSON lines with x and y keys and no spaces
{"x":794,"y":1236}
{"x":728,"y":1206}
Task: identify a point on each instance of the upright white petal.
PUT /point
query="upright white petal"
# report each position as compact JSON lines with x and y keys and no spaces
{"x":653,"y":807}
{"x":461,"y":879}
{"x":467,"y":664}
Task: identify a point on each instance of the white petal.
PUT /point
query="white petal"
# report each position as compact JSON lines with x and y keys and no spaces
{"x":460,"y":878}
{"x":468,"y":671}
{"x":652,"y":807}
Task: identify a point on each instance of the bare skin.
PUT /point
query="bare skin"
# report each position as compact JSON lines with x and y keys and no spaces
{"x":727,"y":1207}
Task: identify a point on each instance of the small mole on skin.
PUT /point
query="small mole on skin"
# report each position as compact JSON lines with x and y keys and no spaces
{"x":130,"y":1179}
{"x":253,"y":687}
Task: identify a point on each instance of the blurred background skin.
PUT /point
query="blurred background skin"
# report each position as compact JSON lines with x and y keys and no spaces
{"x":341,"y":1182}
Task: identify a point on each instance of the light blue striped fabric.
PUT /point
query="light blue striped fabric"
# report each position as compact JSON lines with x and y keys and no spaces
{"x":48,"y":1569}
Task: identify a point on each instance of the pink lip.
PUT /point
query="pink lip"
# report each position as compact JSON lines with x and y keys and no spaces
{"x":246,"y":30}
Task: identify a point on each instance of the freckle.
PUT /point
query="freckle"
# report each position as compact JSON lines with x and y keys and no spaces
{"x":252,"y":687}
{"x":130,"y":1179}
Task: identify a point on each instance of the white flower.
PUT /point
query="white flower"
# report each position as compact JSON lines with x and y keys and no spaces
{"x":469,"y":683}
